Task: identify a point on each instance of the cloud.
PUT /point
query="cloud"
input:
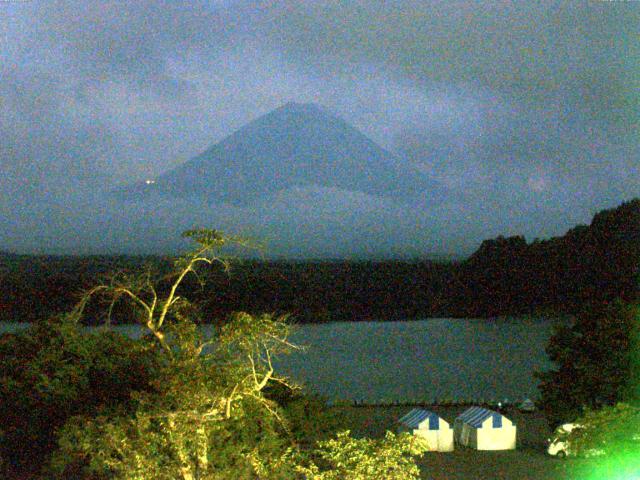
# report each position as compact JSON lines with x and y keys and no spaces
{"x":528,"y":110}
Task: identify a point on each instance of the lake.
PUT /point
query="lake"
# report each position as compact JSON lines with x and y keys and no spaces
{"x":419,"y":360}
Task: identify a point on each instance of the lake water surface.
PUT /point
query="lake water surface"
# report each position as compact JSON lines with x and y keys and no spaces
{"x":421,"y":360}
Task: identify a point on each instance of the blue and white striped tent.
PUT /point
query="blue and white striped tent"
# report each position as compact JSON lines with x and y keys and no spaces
{"x":418,"y":418}
{"x":476,"y":416}
{"x":484,"y":429}
{"x":430,"y":427}
{"x":527,"y":406}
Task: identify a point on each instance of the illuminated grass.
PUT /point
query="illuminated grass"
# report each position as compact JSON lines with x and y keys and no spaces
{"x":615,"y":467}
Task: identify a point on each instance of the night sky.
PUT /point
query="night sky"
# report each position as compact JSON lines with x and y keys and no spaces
{"x":530,"y":111}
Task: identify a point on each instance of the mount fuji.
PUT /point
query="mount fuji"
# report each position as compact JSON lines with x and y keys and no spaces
{"x":294,"y":146}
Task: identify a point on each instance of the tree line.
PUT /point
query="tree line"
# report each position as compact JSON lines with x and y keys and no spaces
{"x":505,"y":276}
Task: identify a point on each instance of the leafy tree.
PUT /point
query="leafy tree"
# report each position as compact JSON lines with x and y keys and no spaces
{"x":345,"y":457}
{"x":207,"y":419}
{"x":207,"y":416}
{"x":593,"y":358}
{"x":609,"y":437}
{"x":203,"y":408}
{"x":308,"y":417}
{"x":54,"y":370}
{"x":612,"y":429}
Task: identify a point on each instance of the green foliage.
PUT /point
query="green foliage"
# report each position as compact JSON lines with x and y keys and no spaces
{"x":612,"y":429}
{"x":348,"y":458}
{"x":308,"y":417}
{"x":181,"y":431}
{"x":174,"y":405}
{"x":207,"y":417}
{"x":593,"y":358}
{"x":54,"y":370}
{"x":205,"y":237}
{"x":632,"y":391}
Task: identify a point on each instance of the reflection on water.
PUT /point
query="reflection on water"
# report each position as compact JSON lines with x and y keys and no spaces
{"x":423,"y":360}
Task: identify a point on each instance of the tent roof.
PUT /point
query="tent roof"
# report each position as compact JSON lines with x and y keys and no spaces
{"x":416,"y":416}
{"x":475,"y":416}
{"x":527,"y":403}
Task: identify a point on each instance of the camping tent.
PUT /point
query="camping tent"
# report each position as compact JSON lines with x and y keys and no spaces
{"x":527,"y":406}
{"x":429,"y":426}
{"x":484,"y":429}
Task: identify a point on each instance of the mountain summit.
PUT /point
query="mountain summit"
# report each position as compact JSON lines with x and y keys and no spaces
{"x":296,"y":145}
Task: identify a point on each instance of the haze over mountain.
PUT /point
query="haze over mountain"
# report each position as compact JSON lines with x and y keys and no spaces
{"x":294,"y":146}
{"x":299,"y":179}
{"x":526,"y":113}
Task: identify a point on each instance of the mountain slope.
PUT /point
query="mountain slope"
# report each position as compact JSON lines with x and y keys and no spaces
{"x":296,"y":145}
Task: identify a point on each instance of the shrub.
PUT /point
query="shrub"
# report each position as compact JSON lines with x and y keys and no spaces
{"x":611,"y":430}
{"x":348,"y":458}
{"x":55,"y":370}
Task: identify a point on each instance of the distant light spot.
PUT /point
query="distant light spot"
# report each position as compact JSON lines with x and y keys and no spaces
{"x":537,"y":184}
{"x":149,"y":182}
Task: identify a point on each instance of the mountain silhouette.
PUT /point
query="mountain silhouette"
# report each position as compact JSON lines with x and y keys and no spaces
{"x":296,"y":145}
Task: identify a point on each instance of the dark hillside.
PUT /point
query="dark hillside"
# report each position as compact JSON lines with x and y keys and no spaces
{"x":505,"y":276}
{"x":595,"y":263}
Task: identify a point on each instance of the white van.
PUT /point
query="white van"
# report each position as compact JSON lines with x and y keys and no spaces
{"x":560,"y":446}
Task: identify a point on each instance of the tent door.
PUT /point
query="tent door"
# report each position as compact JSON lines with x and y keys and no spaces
{"x":466,"y":431}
